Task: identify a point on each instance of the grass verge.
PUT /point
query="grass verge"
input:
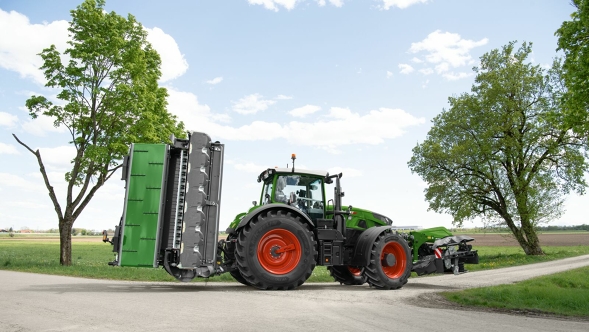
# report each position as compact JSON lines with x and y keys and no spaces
{"x":564,"y":293}
{"x":90,"y":261}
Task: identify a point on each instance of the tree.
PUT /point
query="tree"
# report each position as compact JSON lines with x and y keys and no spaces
{"x":498,"y":154}
{"x":109,"y":97}
{"x":573,"y":40}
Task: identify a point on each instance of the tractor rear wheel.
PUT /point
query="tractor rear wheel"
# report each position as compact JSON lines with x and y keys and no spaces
{"x":276,"y":251}
{"x":347,"y":275}
{"x":390,"y":262}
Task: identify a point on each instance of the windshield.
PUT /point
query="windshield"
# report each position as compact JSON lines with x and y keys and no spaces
{"x":301,"y":191}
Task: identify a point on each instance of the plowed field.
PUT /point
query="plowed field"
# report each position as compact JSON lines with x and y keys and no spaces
{"x":550,"y":239}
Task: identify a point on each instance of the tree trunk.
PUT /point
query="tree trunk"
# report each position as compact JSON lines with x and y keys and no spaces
{"x":533,"y":243}
{"x":65,"y":242}
{"x":525,"y":236}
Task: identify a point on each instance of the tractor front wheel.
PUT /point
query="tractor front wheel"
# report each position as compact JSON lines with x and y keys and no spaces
{"x":276,"y":251}
{"x":347,"y":275}
{"x":390,"y":262}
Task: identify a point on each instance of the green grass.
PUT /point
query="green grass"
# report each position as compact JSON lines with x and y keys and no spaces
{"x":564,"y":293}
{"x":498,"y":257}
{"x":90,"y":261}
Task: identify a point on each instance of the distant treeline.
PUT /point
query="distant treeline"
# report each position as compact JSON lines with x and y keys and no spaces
{"x":583,"y":227}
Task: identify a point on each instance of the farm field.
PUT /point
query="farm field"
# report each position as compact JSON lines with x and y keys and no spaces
{"x":546,"y":239}
{"x":480,"y":239}
{"x":39,"y":253}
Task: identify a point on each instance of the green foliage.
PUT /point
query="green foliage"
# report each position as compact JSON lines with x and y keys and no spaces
{"x":108,"y":98}
{"x":499,"y":152}
{"x":573,"y":40}
{"x":563,"y":293}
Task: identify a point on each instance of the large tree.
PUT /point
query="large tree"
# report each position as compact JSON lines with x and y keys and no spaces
{"x":573,"y":40}
{"x":499,"y":152}
{"x":108,"y":97}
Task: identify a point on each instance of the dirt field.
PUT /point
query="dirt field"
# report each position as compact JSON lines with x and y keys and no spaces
{"x":491,"y":240}
{"x":551,"y":239}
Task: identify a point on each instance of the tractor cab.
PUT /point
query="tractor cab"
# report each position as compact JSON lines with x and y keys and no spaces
{"x":303,"y":190}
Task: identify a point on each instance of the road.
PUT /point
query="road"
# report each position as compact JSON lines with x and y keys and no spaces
{"x":34,"y":302}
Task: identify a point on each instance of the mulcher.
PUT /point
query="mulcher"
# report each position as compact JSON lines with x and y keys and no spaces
{"x":171,"y":220}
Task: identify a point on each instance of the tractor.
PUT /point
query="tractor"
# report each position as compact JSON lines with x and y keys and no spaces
{"x":171,"y":220}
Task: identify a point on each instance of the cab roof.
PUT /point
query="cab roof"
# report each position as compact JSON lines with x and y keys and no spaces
{"x":266,"y":173}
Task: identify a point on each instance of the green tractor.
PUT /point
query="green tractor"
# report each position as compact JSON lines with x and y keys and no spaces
{"x":171,"y":219}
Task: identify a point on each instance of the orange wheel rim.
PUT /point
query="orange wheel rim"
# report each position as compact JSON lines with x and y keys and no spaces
{"x":355,"y":271}
{"x":279,"y":251}
{"x":397,"y":270}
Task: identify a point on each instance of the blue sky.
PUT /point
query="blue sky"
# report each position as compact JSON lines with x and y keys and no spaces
{"x":347,"y":85}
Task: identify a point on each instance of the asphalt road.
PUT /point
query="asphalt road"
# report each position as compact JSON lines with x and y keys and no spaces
{"x":34,"y":302}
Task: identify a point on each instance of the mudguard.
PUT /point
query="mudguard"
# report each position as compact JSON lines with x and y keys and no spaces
{"x":266,"y":207}
{"x":364,"y":245}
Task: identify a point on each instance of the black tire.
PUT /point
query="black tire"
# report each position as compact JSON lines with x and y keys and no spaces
{"x":396,"y":274}
{"x":344,"y":276}
{"x":238,"y":277}
{"x":228,"y":248}
{"x":276,"y":251}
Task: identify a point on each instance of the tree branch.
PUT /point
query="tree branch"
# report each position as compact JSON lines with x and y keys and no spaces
{"x":45,"y":178}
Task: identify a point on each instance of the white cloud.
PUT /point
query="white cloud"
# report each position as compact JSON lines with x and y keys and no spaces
{"x":426,"y":71}
{"x":442,"y":67}
{"x":346,"y":172}
{"x":215,"y":80}
{"x":401,"y":4}
{"x":8,"y":149}
{"x":389,"y":74}
{"x":337,"y":3}
{"x":7,"y":119}
{"x":405,"y":68}
{"x":291,"y":4}
{"x":249,"y":168}
{"x":41,"y":126}
{"x":225,"y":118}
{"x":273,"y":4}
{"x":58,"y":159}
{"x":8,"y":180}
{"x":174,"y":64}
{"x":19,"y":48}
{"x":282,"y":97}
{"x":252,"y":104}
{"x":339,"y":127}
{"x":456,"y":76}
{"x":416,"y":60}
{"x":343,"y":127}
{"x":446,"y":49}
{"x":301,"y":112}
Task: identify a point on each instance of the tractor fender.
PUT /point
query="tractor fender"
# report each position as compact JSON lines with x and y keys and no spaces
{"x":274,"y":206}
{"x":364,"y":245}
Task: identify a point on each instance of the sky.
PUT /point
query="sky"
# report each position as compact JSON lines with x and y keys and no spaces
{"x":350,"y":86}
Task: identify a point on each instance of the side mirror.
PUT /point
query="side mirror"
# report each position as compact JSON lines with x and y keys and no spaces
{"x":254,"y":203}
